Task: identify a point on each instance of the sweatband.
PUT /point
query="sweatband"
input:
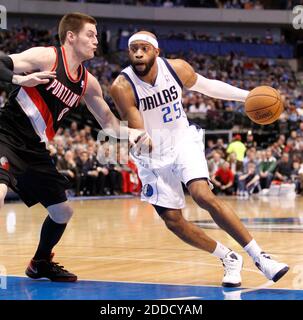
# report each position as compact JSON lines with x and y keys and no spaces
{"x":218,"y":89}
{"x":143,"y":37}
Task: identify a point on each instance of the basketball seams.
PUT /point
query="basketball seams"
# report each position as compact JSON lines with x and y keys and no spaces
{"x":277,"y":100}
{"x":281,"y":107}
{"x":275,"y":107}
{"x":264,"y":95}
{"x":265,"y":121}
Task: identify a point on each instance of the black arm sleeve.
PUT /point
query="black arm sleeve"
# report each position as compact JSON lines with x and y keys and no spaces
{"x":6,"y":69}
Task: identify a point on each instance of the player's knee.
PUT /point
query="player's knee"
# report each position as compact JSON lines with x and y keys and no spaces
{"x":60,"y":213}
{"x":209,"y":202}
{"x":173,"y":220}
{"x":204,"y":197}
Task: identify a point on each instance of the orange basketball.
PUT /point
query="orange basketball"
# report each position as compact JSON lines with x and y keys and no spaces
{"x":264,"y":105}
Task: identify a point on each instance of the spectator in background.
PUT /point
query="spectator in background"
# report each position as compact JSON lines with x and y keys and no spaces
{"x":283,"y":169}
{"x":88,"y":132}
{"x":220,"y":147}
{"x":67,"y":166}
{"x":289,"y":146}
{"x":249,"y":181}
{"x":210,"y":148}
{"x":295,"y":176}
{"x":250,"y":157}
{"x":238,"y":147}
{"x":73,"y":129}
{"x":88,"y":175}
{"x":223,"y":180}
{"x":281,"y":141}
{"x":236,"y":167}
{"x":276,"y":151}
{"x":198,"y":104}
{"x":300,"y":130}
{"x":214,"y":163}
{"x":60,"y":150}
{"x":250,"y":142}
{"x":108,"y":157}
{"x":266,"y":169}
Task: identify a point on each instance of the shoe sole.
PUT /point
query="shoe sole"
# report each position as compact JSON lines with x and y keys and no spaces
{"x":231,"y":285}
{"x":280,"y":274}
{"x":64,"y":279}
{"x":70,"y":279}
{"x":31,"y":275}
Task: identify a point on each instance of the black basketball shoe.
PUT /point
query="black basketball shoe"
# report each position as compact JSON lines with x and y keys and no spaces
{"x":48,"y":269}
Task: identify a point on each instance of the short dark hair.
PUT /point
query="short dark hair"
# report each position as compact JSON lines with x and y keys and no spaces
{"x":73,"y":22}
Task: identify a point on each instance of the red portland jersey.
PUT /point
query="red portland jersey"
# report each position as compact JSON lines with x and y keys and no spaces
{"x":46,"y":105}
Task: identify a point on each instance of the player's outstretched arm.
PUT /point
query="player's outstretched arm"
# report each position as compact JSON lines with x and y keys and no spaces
{"x":39,"y":58}
{"x":99,"y":108}
{"x":212,"y":88}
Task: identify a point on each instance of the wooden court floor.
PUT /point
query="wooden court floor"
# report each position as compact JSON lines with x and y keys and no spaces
{"x":125,"y":240}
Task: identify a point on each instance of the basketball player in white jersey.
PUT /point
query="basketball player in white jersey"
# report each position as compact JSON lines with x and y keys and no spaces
{"x":148,"y":94}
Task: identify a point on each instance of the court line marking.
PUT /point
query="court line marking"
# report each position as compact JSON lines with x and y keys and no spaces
{"x":271,"y":253}
{"x":151,"y":283}
{"x":142,"y":260}
{"x":181,"y":298}
{"x":264,"y":286}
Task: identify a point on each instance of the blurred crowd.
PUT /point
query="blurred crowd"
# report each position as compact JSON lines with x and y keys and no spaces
{"x":221,"y":4}
{"x":202,"y":35}
{"x":237,"y":168}
{"x":243,"y":168}
{"x":93,"y":168}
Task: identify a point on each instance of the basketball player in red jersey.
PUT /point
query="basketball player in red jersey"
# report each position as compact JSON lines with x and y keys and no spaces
{"x":34,"y":112}
{"x":148,"y":94}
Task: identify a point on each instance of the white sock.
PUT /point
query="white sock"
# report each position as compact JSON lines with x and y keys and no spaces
{"x":221,"y":251}
{"x":253,"y":249}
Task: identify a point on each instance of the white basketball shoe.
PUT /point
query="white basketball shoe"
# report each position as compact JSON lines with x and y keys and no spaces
{"x":233,"y":264}
{"x":272,"y":269}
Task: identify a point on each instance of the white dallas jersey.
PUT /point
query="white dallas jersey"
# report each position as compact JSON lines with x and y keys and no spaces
{"x":161,"y":107}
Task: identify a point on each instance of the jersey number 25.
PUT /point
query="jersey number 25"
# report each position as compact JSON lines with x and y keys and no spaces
{"x":169,"y":114}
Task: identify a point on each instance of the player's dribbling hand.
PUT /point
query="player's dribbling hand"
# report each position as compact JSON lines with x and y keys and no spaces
{"x":140,"y":141}
{"x":34,"y":79}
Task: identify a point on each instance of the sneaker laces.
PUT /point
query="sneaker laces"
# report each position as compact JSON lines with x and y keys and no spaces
{"x":57,"y":268}
{"x":265,"y":255}
{"x":55,"y":265}
{"x":231,"y":266}
{"x":265,"y":262}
